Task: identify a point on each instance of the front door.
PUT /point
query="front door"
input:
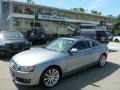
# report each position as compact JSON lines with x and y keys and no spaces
{"x":83,"y":57}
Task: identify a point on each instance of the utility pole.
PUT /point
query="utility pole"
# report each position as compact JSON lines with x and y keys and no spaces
{"x":0,"y":15}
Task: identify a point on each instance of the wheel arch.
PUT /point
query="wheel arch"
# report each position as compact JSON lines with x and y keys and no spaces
{"x":114,"y":39}
{"x":50,"y":66}
{"x":104,"y":54}
{"x":56,"y":66}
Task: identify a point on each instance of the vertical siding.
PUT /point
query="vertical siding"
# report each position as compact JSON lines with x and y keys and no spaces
{"x":0,"y":15}
{"x":4,"y":13}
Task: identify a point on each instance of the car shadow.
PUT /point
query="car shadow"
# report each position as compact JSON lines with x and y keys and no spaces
{"x":80,"y":79}
{"x":6,"y":58}
{"x":112,"y":51}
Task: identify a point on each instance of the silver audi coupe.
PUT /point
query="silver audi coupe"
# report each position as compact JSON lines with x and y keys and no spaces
{"x":46,"y":65}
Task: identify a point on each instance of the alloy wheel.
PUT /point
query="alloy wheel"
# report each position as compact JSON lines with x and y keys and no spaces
{"x":102,"y":60}
{"x":51,"y":77}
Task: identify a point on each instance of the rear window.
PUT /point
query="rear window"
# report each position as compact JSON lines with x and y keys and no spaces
{"x":101,"y":33}
{"x":93,"y":44}
{"x":12,"y":35}
{"x":87,"y":33}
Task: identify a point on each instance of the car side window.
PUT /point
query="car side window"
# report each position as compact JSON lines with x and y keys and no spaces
{"x":93,"y":44}
{"x":81,"y":45}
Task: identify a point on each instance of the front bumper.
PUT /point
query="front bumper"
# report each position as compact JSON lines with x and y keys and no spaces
{"x":25,"y":78}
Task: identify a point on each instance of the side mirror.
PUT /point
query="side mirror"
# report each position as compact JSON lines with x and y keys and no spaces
{"x":74,"y":50}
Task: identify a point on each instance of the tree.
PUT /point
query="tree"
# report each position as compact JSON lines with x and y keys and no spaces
{"x":95,"y":12}
{"x":78,"y":9}
{"x":81,"y":9}
{"x":110,"y":16}
{"x":99,"y":13}
{"x":30,"y":1}
{"x":116,"y":26}
{"x":74,"y":9}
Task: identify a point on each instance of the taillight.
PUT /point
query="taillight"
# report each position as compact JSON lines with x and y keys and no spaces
{"x":95,"y":37}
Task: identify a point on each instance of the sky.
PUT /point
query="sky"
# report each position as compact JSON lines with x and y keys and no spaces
{"x":106,"y":7}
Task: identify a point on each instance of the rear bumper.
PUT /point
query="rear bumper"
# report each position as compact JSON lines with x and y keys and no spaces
{"x":7,"y":49}
{"x":104,"y":42}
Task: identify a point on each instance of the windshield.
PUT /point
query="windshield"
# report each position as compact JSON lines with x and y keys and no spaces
{"x":12,"y":35}
{"x":59,"y":45}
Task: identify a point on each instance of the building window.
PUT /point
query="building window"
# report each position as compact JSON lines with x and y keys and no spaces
{"x":29,"y":10}
{"x":39,"y":10}
{"x":17,"y":22}
{"x":18,"y":9}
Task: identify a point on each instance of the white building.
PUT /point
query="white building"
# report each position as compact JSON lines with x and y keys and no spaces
{"x":19,"y":16}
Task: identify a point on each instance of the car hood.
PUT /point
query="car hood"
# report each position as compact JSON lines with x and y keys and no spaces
{"x":35,"y":56}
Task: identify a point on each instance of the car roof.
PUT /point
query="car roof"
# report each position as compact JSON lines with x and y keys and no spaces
{"x":8,"y":31}
{"x":75,"y":38}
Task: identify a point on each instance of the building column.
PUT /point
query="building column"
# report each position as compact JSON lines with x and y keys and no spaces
{"x":1,"y":6}
{"x":11,"y":16}
{"x":23,"y":20}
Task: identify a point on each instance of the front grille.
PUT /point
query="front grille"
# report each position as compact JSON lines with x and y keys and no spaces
{"x":15,"y":47}
{"x":14,"y":66}
{"x":23,"y":80}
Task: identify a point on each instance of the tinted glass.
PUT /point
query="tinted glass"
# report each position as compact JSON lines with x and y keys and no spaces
{"x":87,"y":33}
{"x":101,"y":33}
{"x":92,"y":44}
{"x":81,"y":45}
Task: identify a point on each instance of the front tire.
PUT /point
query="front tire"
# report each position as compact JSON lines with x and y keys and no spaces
{"x":102,"y":61}
{"x":50,"y":77}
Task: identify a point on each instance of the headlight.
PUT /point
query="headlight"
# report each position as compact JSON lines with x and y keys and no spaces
{"x":26,"y":68}
{"x":2,"y":43}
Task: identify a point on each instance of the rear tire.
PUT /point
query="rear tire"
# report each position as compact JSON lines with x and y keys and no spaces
{"x":116,"y":40}
{"x":102,"y":60}
{"x":50,"y":77}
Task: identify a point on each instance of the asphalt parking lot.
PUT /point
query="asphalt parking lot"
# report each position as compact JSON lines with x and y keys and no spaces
{"x":94,"y":78}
